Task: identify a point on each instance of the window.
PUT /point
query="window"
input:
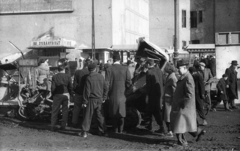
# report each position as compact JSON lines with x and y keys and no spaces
{"x":200,"y":16}
{"x":195,"y":41}
{"x":193,"y":19}
{"x":184,"y":18}
{"x":184,"y":43}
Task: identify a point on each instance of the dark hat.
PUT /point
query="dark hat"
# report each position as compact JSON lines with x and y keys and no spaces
{"x":224,"y":75}
{"x":92,"y":66}
{"x":192,"y":69}
{"x":116,"y":56}
{"x":234,"y":62}
{"x":150,"y":61}
{"x":182,"y":63}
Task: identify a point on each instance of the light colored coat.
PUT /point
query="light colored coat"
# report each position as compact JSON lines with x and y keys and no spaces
{"x":183,"y":114}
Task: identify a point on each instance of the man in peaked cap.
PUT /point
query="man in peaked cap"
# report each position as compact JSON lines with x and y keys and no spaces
{"x":231,"y":72}
{"x":154,"y":87}
{"x":94,"y":94}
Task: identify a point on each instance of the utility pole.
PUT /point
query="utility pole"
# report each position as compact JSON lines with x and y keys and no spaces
{"x":175,"y":53}
{"x":93,"y":32}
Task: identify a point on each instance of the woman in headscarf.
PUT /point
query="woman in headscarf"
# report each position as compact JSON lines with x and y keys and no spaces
{"x":170,"y":86}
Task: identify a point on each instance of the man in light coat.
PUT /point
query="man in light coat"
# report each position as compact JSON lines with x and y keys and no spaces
{"x":118,"y":79}
{"x":183,"y":115}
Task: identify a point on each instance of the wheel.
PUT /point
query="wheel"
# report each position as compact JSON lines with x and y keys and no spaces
{"x":133,"y":118}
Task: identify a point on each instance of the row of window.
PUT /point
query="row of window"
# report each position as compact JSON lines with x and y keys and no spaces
{"x":195,"y":18}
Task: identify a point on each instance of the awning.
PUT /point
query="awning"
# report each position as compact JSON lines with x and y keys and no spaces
{"x":54,"y":43}
{"x":201,"y":48}
{"x":126,"y":48}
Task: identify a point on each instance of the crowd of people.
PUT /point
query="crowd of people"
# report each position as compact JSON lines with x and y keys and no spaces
{"x":174,"y":96}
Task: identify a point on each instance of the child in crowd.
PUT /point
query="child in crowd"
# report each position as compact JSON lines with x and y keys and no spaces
{"x":222,"y":93}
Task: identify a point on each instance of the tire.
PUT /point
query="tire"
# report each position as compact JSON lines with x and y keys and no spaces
{"x":133,"y":118}
{"x":21,"y":114}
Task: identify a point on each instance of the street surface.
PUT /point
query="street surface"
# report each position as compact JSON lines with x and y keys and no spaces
{"x":223,"y":133}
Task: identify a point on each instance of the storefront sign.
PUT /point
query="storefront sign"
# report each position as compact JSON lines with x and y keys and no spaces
{"x":53,"y":43}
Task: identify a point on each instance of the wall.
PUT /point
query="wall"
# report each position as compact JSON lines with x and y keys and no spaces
{"x":161,"y":22}
{"x":130,"y":19}
{"x":184,"y":33}
{"x":76,"y":25}
{"x":224,"y":57}
{"x":205,"y":30}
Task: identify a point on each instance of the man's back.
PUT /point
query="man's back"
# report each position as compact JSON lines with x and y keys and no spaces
{"x":61,"y":83}
{"x":79,"y":80}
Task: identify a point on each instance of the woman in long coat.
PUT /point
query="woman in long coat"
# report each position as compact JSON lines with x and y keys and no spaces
{"x":183,"y":115}
{"x":170,"y":86}
{"x":118,"y":79}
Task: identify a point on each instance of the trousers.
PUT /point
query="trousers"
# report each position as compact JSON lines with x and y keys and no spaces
{"x":58,"y":100}
{"x":199,"y":108}
{"x":94,"y":105}
{"x":78,"y":99}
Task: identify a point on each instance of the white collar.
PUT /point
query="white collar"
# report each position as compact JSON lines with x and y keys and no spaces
{"x":117,"y":62}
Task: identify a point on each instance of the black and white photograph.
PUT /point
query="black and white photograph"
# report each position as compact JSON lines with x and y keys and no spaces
{"x":119,"y":75}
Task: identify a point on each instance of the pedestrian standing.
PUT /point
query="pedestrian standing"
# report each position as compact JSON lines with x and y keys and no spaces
{"x":232,"y":85}
{"x":78,"y":86}
{"x":199,"y":93}
{"x":183,"y":115}
{"x":222,"y":93}
{"x":207,"y":79}
{"x":118,"y":80}
{"x":95,"y":93}
{"x":169,"y":89}
{"x":154,"y":87}
{"x":61,"y":91}
{"x":212,"y":65}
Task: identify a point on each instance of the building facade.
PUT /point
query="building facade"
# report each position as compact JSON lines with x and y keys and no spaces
{"x":117,"y":23}
{"x":212,"y":16}
{"x":162,"y":23}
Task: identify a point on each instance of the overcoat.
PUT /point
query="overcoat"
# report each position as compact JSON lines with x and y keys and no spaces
{"x":169,"y":89}
{"x":199,"y":86}
{"x":154,"y":85}
{"x":221,"y":86}
{"x":232,"y":82}
{"x":183,"y":114}
{"x":118,"y":80}
{"x":207,"y":78}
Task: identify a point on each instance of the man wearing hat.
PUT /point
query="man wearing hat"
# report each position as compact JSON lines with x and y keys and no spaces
{"x":154,"y":87}
{"x":94,"y":94}
{"x":231,"y":72}
{"x":118,"y":79}
{"x":207,"y":79}
{"x":183,"y":115}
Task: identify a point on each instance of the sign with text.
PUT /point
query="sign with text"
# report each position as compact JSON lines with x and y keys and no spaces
{"x":52,"y":43}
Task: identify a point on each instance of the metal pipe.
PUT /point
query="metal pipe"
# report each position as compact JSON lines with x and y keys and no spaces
{"x":93,"y":32}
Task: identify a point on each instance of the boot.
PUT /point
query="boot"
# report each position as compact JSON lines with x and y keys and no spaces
{"x":226,"y":106}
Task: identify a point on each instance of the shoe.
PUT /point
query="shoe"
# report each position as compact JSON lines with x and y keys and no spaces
{"x":234,"y":107}
{"x":228,"y":110}
{"x":199,"y":136}
{"x":214,"y":109}
{"x":102,"y":134}
{"x":184,"y":143}
{"x":204,"y":123}
{"x":169,"y":134}
{"x":62,"y":128}
{"x":83,"y":134}
{"x":54,"y":129}
{"x":160,"y":132}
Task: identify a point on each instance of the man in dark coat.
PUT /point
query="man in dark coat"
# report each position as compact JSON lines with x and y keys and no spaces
{"x":222,"y":93}
{"x":154,"y":86}
{"x":61,"y":91}
{"x":212,"y":65}
{"x":199,"y":93}
{"x":78,"y":86}
{"x":118,"y":79}
{"x":232,"y":83}
{"x":95,"y":93}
